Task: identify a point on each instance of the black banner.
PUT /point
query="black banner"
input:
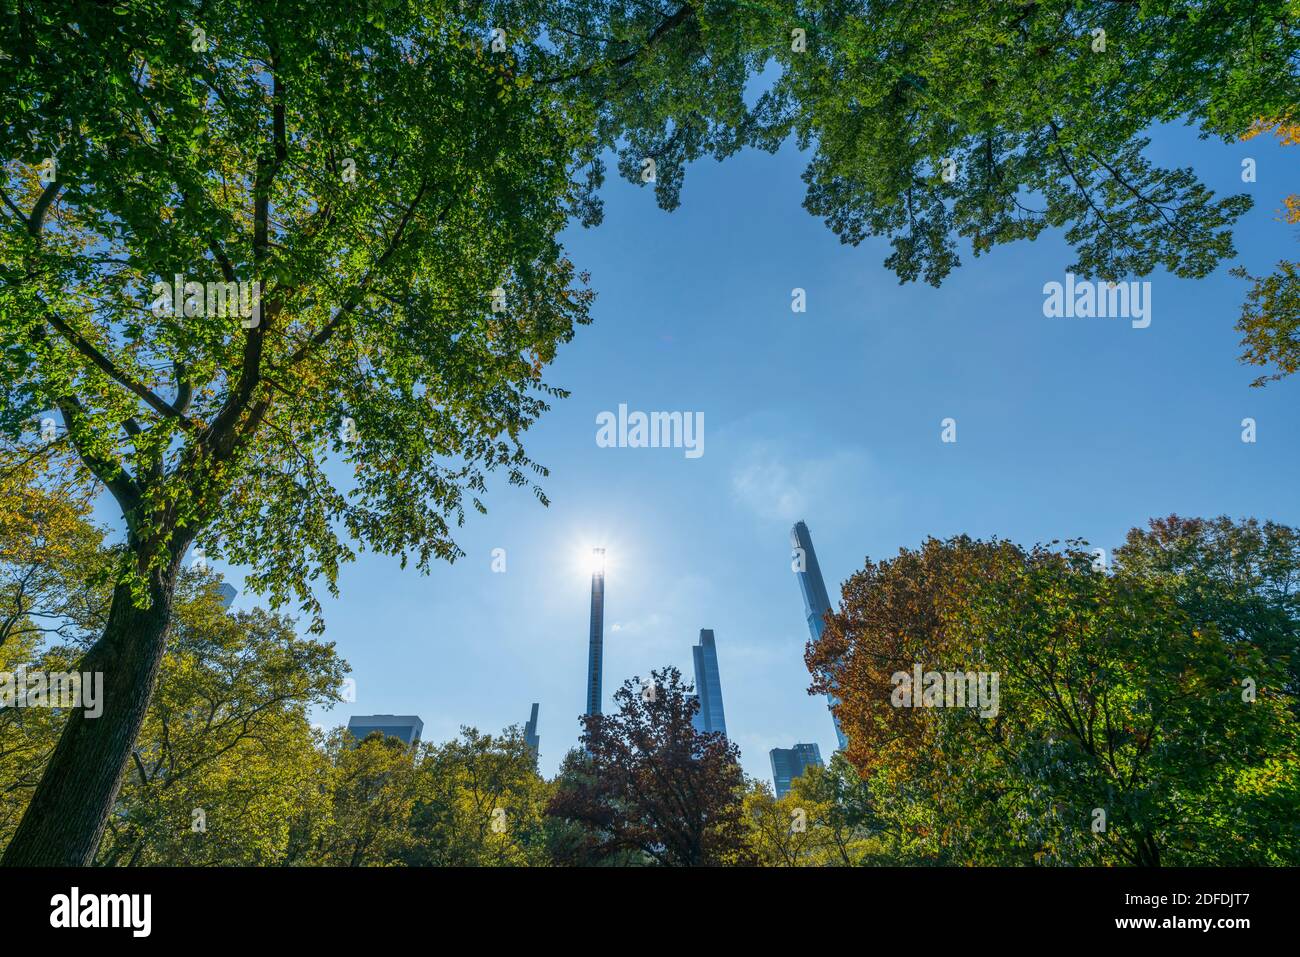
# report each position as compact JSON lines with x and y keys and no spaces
{"x":216,"y":906}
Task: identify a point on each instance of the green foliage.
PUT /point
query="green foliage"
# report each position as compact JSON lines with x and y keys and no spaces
{"x":473,"y":802}
{"x":231,"y":163}
{"x":484,"y":804}
{"x":1270,"y":320}
{"x":421,"y":297}
{"x":824,"y":821}
{"x":228,"y":157}
{"x":227,"y":735}
{"x":54,"y":569}
{"x":1037,"y":126}
{"x":1157,"y":699}
{"x":225,"y":759}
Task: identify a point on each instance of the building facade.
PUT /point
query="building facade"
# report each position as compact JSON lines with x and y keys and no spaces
{"x":789,"y":763}
{"x":530,"y":734}
{"x":407,"y":727}
{"x":596,"y":637}
{"x":816,"y":603}
{"x":708,"y":685}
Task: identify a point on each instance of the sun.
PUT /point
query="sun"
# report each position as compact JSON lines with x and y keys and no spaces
{"x":590,"y":559}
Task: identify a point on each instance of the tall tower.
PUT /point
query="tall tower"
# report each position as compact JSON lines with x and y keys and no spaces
{"x":816,"y":603}
{"x":531,"y":737}
{"x":596,"y":639}
{"x":790,"y":763}
{"x":708,"y":685}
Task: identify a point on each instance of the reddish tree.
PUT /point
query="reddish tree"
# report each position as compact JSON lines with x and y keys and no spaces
{"x":649,"y":783}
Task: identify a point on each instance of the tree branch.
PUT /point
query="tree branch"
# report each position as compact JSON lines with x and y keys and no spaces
{"x":665,"y":27}
{"x":87,"y":349}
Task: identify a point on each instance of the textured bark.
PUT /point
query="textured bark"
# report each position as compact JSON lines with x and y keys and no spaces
{"x":65,"y":820}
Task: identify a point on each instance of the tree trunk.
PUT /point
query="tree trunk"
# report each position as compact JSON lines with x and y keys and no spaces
{"x":63,"y":824}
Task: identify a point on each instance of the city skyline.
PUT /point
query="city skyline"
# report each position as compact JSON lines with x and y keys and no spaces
{"x":707,"y":540}
{"x":362,"y":368}
{"x":710,"y":716}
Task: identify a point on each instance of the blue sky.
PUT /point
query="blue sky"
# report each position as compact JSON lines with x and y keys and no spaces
{"x":1065,"y":427}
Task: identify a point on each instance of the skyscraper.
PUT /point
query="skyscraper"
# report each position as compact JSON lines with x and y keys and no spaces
{"x":408,"y":727}
{"x":708,"y":685}
{"x":530,"y":734}
{"x":228,"y":593}
{"x":789,"y":763}
{"x":596,"y":639}
{"x":816,"y":603}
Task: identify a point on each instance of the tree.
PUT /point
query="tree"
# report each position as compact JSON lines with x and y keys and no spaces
{"x":571,"y":842}
{"x":227,"y":758}
{"x":777,"y":836}
{"x":939,"y":122}
{"x":217,"y":141}
{"x":1241,"y":578}
{"x":473,"y":801}
{"x":1143,"y":716}
{"x":483,"y":804}
{"x":372,"y":788}
{"x":851,"y":832}
{"x":1270,"y":319}
{"x":54,"y":570}
{"x":650,"y":784}
{"x":381,"y":192}
{"x":824,"y":820}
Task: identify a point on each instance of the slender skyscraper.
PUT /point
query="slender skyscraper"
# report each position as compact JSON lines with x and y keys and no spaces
{"x":789,"y":763}
{"x":816,"y":603}
{"x":708,"y":686}
{"x":596,"y":640}
{"x":530,"y":734}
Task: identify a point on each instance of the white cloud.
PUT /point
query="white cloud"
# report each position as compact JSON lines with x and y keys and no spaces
{"x":779,"y":485}
{"x":637,"y":626}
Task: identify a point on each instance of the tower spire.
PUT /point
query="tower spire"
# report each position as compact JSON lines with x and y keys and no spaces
{"x":816,"y":603}
{"x":596,"y":640}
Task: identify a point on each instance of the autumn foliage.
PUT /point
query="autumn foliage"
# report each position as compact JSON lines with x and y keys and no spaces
{"x":1147,"y":711}
{"x":650,"y":787}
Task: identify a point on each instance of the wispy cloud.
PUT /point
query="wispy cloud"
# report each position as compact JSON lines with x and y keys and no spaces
{"x":778,"y":484}
{"x":638,"y":626}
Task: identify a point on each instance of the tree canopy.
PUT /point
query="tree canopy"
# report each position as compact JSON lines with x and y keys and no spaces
{"x":1147,"y":713}
{"x":282,"y":277}
{"x":649,"y":783}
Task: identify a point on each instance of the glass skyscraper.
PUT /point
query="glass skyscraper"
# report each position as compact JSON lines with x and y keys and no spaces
{"x":816,"y":603}
{"x":530,"y":734}
{"x":789,"y":763}
{"x":407,"y":727}
{"x":596,"y":638}
{"x":708,"y":685}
